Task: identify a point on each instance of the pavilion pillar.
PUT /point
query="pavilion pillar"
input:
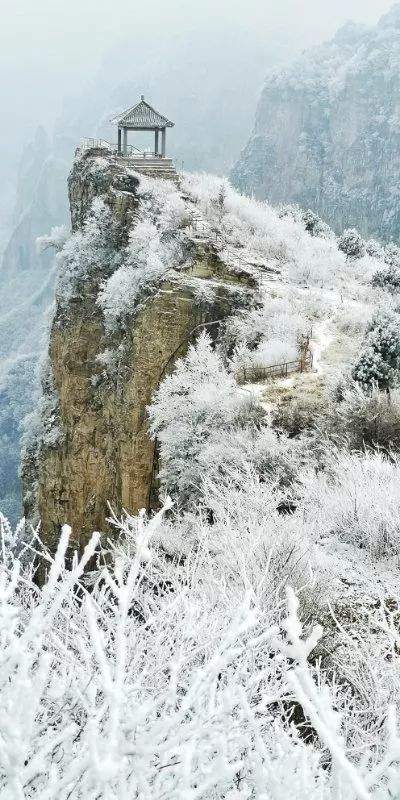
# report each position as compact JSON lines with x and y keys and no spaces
{"x":125,"y":145}
{"x":163,"y":141}
{"x":156,"y":142}
{"x":119,"y":141}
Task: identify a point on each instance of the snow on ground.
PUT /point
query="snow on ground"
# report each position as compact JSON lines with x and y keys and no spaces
{"x":336,"y":314}
{"x":321,"y":340}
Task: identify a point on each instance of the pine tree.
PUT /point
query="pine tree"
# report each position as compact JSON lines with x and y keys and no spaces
{"x":379,"y":361}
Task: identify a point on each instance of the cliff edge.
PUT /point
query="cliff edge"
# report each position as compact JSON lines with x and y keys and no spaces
{"x":142,"y":271}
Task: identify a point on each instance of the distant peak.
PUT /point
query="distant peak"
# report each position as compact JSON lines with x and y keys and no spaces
{"x":392,"y":18}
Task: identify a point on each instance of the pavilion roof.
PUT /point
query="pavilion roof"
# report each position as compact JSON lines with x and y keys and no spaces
{"x":143,"y":115}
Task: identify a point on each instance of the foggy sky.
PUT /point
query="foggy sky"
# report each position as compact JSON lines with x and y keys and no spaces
{"x":49,"y":48}
{"x":45,"y":45}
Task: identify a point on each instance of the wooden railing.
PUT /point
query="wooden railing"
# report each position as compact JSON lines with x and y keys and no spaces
{"x":257,"y":372}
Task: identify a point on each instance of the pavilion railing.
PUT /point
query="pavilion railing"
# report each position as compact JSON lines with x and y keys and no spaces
{"x":102,"y":144}
{"x":97,"y":144}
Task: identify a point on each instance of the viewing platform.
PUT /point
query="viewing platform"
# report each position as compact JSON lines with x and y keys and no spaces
{"x":141,"y":117}
{"x":147,"y":163}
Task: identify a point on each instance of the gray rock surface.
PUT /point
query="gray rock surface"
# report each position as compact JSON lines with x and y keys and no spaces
{"x":327,"y":132}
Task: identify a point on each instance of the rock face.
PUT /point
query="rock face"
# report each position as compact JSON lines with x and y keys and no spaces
{"x":327,"y":132}
{"x":91,"y":447}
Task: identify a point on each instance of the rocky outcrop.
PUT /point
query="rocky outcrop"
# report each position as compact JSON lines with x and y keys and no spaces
{"x":327,"y":132}
{"x":92,"y":447}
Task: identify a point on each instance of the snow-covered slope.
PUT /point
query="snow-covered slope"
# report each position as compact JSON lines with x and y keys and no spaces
{"x":190,"y":669}
{"x":147,"y":262}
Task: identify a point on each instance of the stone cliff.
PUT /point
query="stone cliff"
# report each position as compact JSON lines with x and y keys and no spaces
{"x":139,"y":273}
{"x":327,"y":132}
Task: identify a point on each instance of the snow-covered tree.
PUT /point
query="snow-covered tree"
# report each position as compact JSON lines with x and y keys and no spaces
{"x":351,"y":244}
{"x":388,"y":275}
{"x":379,"y":361}
{"x":392,"y":255}
{"x":315,"y":226}
{"x":197,"y":403}
{"x":208,"y":427}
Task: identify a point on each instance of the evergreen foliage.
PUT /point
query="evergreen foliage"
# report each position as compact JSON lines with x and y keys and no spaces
{"x":379,"y":361}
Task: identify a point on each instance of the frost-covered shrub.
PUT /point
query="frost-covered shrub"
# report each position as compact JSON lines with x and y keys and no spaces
{"x":372,"y":369}
{"x":145,"y":262}
{"x":351,"y":244}
{"x":387,"y":277}
{"x":316,"y":263}
{"x":275,"y":351}
{"x":268,"y":353}
{"x":265,"y":336}
{"x":373,"y":249}
{"x":356,"y":501}
{"x":154,"y":248}
{"x":366,"y":419}
{"x":87,"y":250}
{"x":277,"y":318}
{"x":56,"y":239}
{"x":254,"y":229}
{"x":379,"y":361}
{"x":391,"y":255}
{"x":302,"y":413}
{"x":172,"y":677}
{"x":353,"y":321}
{"x":313,"y":224}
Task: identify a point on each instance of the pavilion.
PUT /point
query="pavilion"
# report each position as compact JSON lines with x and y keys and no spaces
{"x":142,"y":117}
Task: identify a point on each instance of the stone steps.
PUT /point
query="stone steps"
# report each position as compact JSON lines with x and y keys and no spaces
{"x":153,"y":167}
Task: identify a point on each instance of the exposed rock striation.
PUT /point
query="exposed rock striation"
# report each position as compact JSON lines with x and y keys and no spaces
{"x":137,"y":276}
{"x":327,"y":132}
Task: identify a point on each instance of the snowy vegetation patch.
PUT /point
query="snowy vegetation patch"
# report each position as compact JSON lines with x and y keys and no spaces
{"x":183,"y":670}
{"x":207,"y":426}
{"x":86,"y":250}
{"x":55,"y":239}
{"x":43,"y":426}
{"x":255,"y":230}
{"x":154,"y":249}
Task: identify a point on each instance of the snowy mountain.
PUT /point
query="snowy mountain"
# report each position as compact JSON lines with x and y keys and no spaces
{"x":327,"y":131}
{"x":231,"y":626}
{"x":211,"y":122}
